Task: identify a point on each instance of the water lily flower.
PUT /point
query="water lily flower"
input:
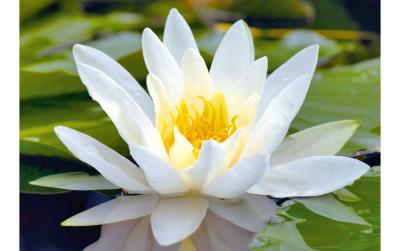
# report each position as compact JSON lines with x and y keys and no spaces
{"x":203,"y":139}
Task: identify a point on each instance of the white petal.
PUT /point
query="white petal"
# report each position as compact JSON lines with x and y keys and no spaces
{"x":139,"y":237}
{"x":160,"y":62}
{"x":254,"y":78}
{"x":181,"y":152}
{"x":225,"y":236}
{"x":270,"y":130}
{"x":210,"y":159}
{"x":250,"y":85}
{"x":161,"y":176}
{"x":331,"y":208}
{"x":232,"y":58}
{"x":236,"y":180}
{"x":311,"y":176}
{"x":303,"y":63}
{"x":75,"y":181}
{"x":175,"y":219}
{"x":119,"y":209}
{"x":112,"y":236}
{"x":250,"y":212}
{"x":114,"y":167}
{"x":132,"y":123}
{"x":177,"y":35}
{"x":197,"y":80}
{"x":233,"y":145}
{"x":162,"y":103}
{"x":324,"y":139}
{"x":97,"y":59}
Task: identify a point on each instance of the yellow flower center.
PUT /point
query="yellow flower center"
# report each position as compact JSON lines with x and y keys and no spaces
{"x":211,"y":123}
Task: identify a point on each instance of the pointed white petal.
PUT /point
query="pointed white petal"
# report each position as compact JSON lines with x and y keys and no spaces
{"x":303,"y":63}
{"x":114,"y":167}
{"x":160,"y":62}
{"x":112,"y":236}
{"x":132,"y":123}
{"x":331,"y":208}
{"x":119,"y":209}
{"x":97,"y":59}
{"x":177,"y":35}
{"x":232,"y":58}
{"x":237,"y":179}
{"x":181,"y":152}
{"x":175,"y":219}
{"x":270,"y":130}
{"x":197,"y":79}
{"x":75,"y":181}
{"x":250,"y":212}
{"x":210,"y":159}
{"x":311,"y":176}
{"x":324,"y":139}
{"x":247,"y":90}
{"x":254,"y":78}
{"x":161,"y":176}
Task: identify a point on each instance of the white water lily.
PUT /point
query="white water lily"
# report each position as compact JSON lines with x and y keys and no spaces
{"x":204,"y":135}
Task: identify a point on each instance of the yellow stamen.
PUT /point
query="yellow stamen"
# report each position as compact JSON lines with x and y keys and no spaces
{"x":211,"y":123}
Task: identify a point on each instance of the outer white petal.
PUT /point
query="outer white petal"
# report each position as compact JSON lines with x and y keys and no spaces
{"x":177,"y":35}
{"x":161,"y":176}
{"x":218,"y":234}
{"x":181,"y":152}
{"x":97,"y":59}
{"x":210,"y":159}
{"x":270,"y":130}
{"x":74,"y":181}
{"x":324,"y":139}
{"x":232,"y":58}
{"x":175,"y":219}
{"x":311,"y":176}
{"x":250,"y":212}
{"x":114,"y":167}
{"x":160,"y":62}
{"x":120,"y":209}
{"x":328,"y":206}
{"x":303,"y":63}
{"x":238,"y":179}
{"x":132,"y":123}
{"x":197,"y":79}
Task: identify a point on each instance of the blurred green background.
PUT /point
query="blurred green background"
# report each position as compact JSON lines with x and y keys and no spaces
{"x":346,"y":85}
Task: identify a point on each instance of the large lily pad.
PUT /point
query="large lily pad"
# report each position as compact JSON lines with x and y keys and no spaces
{"x":346,"y":92}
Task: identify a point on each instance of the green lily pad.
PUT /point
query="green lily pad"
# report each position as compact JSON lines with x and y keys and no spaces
{"x":345,"y":92}
{"x":310,"y":231}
